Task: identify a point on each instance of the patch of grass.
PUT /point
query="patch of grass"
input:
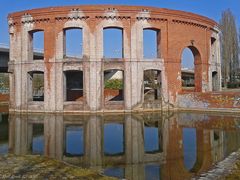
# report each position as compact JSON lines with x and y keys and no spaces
{"x":37,"y":167}
{"x":114,"y":84}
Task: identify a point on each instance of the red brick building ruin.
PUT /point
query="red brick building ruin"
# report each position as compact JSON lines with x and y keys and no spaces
{"x":77,"y":83}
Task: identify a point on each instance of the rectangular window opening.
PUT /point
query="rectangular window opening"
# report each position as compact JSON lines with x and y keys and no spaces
{"x":152,"y":85}
{"x":36,"y":86}
{"x":113,"y":85}
{"x":74,"y":86}
{"x":151,"y":44}
{"x":37,"y":45}
{"x":113,"y":43}
{"x":73,"y":43}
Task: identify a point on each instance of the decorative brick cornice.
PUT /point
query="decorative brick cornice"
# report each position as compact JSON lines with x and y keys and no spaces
{"x":11,"y":22}
{"x":140,"y":18}
{"x":75,"y":14}
{"x":214,"y":30}
{"x":113,"y":17}
{"x":27,"y":18}
{"x":62,"y":18}
{"x":189,"y":23}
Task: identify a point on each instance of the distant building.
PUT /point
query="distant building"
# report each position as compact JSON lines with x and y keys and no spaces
{"x":4,"y":57}
{"x":188,"y":77}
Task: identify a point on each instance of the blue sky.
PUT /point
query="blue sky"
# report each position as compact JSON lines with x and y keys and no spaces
{"x":209,"y":8}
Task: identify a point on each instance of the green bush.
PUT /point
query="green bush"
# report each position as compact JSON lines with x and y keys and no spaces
{"x":4,"y":82}
{"x":114,"y":84}
{"x":233,"y":84}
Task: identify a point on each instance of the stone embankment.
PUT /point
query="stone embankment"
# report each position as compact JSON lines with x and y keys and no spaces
{"x":229,"y":168}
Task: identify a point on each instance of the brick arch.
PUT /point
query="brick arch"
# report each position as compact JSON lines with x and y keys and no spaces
{"x":151,"y":68}
{"x":34,"y":30}
{"x":195,"y":51}
{"x":72,"y":27}
{"x":104,"y":24}
{"x":74,"y":24}
{"x":75,"y":68}
{"x":154,"y":28}
{"x":114,"y":68}
{"x":35,"y":71}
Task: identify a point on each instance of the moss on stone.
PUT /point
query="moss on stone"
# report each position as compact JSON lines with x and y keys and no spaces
{"x":37,"y":167}
{"x":235,"y":174}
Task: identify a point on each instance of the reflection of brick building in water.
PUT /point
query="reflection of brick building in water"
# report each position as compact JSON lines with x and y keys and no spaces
{"x":122,"y":141}
{"x":174,"y":31}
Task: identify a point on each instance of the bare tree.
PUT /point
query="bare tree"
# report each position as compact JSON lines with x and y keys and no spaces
{"x":230,"y":48}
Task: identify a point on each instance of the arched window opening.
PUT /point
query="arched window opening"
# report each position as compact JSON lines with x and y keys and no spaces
{"x":36,"y":45}
{"x":152,"y":85}
{"x":113,"y":139}
{"x":73,"y":43}
{"x":73,"y":83}
{"x":74,"y":140}
{"x":113,"y":85}
{"x":151,"y":44}
{"x":187,"y":69}
{"x":189,"y":148}
{"x":36,"y":86}
{"x":113,"y":43}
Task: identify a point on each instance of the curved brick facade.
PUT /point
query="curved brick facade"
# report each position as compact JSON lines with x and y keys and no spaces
{"x":178,"y":30}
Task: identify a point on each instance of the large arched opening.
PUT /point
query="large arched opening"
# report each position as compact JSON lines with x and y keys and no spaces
{"x":190,"y":69}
